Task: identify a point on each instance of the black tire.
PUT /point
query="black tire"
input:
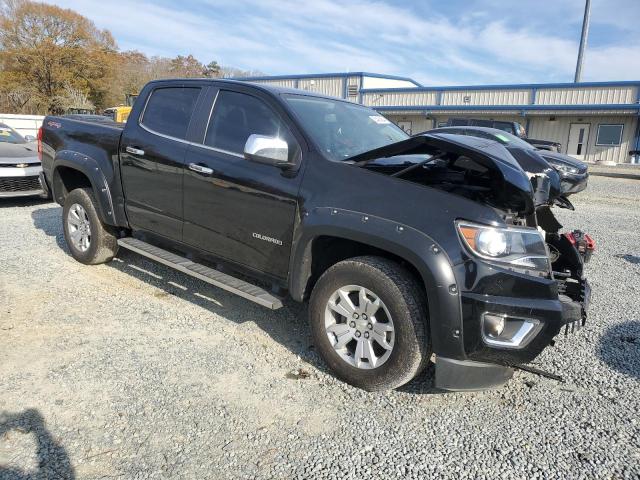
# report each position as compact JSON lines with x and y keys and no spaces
{"x":406,"y":302}
{"x":103,"y":244}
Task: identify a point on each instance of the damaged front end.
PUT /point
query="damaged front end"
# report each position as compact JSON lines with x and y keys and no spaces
{"x":477,"y":169}
{"x":568,"y":252}
{"x":522,"y":281}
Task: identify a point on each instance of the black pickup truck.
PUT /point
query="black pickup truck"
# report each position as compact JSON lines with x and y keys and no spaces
{"x":403,"y":246}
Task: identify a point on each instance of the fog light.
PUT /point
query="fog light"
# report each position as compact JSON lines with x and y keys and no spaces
{"x":500,"y":330}
{"x":494,"y":324}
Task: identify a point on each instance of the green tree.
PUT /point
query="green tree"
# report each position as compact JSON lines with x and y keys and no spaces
{"x":212,"y":70}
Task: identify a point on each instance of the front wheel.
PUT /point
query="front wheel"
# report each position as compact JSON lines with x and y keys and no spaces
{"x":90,"y":241}
{"x":369,"y":322}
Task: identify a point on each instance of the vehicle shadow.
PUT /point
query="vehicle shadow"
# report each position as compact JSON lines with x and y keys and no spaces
{"x":633,"y":259}
{"x":52,"y":458}
{"x":620,"y":348}
{"x":49,"y":221}
{"x":288,"y":326}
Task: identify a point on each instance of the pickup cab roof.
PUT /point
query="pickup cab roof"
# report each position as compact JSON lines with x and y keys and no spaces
{"x":273,"y":89}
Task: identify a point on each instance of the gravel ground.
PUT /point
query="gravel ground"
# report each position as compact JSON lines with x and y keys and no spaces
{"x":132,"y":370}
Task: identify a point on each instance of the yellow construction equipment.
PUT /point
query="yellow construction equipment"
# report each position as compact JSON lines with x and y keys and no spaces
{"x":121,"y":112}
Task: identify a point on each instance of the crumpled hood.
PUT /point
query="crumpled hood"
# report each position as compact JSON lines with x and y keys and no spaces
{"x":544,"y":178}
{"x":516,"y":192}
{"x":18,"y":153}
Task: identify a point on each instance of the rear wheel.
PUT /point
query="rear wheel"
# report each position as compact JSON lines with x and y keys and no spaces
{"x":90,"y":241}
{"x":369,"y":322}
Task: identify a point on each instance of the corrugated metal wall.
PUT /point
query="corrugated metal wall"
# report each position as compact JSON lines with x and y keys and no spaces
{"x":399,"y":98}
{"x":287,"y":83}
{"x":584,"y":95}
{"x":539,"y":124}
{"x":419,"y":123}
{"x":331,"y":86}
{"x":558,"y":131}
{"x":542,"y":128}
{"x":486,"y":97}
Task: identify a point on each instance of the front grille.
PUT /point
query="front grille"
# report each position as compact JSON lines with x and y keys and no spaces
{"x":19,"y":165}
{"x":19,"y":184}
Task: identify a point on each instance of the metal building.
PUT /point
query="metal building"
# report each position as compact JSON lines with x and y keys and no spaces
{"x":594,"y":121}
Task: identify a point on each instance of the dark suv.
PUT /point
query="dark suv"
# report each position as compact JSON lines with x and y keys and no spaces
{"x":403,"y":246}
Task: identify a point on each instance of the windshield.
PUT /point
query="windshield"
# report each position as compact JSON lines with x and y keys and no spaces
{"x":343,"y":129}
{"x":509,"y":140}
{"x":9,"y":135}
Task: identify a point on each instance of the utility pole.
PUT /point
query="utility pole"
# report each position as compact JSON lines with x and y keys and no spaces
{"x":583,"y":39}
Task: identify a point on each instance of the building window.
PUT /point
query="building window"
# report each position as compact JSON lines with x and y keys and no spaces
{"x":609,"y":135}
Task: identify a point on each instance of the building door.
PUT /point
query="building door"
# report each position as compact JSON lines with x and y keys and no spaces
{"x":578,"y":140}
{"x":406,"y":126}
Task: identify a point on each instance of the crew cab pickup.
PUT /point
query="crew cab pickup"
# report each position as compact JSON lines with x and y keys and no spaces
{"x":404,"y":247}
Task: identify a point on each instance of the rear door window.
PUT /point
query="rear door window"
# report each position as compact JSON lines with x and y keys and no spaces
{"x":169,"y":110}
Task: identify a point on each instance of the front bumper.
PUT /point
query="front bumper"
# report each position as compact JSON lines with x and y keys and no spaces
{"x":573,"y":183}
{"x":553,"y":315}
{"x":20,"y":181}
{"x":513,"y":296}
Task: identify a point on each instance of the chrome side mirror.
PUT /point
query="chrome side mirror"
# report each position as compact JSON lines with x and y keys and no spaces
{"x":268,"y":150}
{"x":30,"y":138}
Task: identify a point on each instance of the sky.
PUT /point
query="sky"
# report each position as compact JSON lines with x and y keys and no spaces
{"x":436,"y":42}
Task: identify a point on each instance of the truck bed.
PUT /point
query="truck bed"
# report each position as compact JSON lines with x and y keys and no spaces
{"x":90,"y":145}
{"x":88,"y":132}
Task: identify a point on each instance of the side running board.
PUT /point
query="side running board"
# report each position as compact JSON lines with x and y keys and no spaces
{"x":214,"y":277}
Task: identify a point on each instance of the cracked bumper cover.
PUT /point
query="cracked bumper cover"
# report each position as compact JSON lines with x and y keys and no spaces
{"x":489,"y":367}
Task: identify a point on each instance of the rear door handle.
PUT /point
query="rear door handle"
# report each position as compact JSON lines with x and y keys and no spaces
{"x":134,"y":151}
{"x":200,"y":169}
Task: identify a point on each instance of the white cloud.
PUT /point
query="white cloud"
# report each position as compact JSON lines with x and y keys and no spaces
{"x":612,"y":63}
{"x":288,"y":36}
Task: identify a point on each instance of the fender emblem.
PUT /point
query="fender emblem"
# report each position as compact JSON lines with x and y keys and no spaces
{"x":259,"y":236}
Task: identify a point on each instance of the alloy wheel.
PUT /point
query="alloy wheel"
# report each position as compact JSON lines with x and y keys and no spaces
{"x":79,"y":227}
{"x":359,"y":327}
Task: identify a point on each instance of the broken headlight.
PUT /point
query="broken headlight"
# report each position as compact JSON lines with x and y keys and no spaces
{"x":562,"y":167}
{"x":517,"y":248}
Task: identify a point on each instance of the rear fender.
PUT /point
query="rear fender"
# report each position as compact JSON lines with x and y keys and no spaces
{"x":90,"y":169}
{"x":405,"y":242}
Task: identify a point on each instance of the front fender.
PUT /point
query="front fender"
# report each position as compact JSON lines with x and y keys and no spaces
{"x":90,"y":169}
{"x":411,"y":245}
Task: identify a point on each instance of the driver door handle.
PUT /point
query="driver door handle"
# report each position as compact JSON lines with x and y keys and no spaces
{"x":200,"y":169}
{"x":134,"y":151}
